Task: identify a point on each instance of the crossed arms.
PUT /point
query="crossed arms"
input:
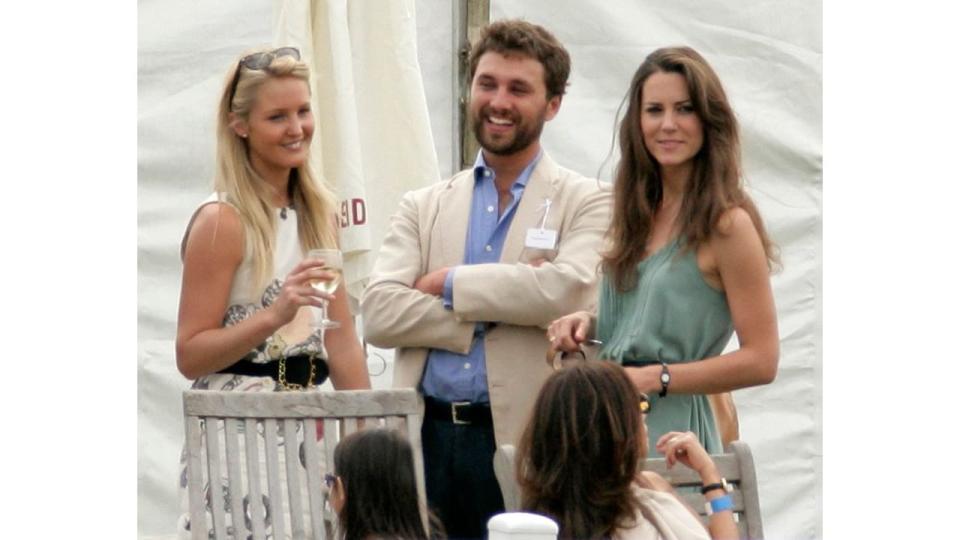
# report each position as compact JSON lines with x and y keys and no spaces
{"x":397,"y":314}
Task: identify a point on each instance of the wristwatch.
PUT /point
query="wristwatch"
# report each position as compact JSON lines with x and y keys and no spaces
{"x":664,"y":379}
{"x":722,"y":484}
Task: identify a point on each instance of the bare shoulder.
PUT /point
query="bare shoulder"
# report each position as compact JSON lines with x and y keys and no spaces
{"x":215,"y":230}
{"x":735,"y":222}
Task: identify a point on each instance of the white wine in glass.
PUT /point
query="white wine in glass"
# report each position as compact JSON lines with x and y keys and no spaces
{"x":332,"y":263}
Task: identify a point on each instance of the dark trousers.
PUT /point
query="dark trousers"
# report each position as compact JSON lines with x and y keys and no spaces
{"x":461,"y":486}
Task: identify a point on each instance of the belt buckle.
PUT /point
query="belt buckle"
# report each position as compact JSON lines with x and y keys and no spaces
{"x":453,"y":413}
{"x":282,"y":375}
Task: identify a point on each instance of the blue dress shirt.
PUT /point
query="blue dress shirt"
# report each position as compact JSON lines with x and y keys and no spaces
{"x":463,"y":377}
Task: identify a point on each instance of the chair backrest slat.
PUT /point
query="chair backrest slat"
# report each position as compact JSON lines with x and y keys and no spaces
{"x":331,"y":437}
{"x":503,"y":460}
{"x":214,"y":484}
{"x":195,"y":471}
{"x":343,"y":403}
{"x":314,"y":482}
{"x":398,"y":423}
{"x":272,"y":453}
{"x":412,"y":423}
{"x":696,"y":501}
{"x":749,"y":487}
{"x":291,"y":479}
{"x":235,"y":481}
{"x":680,"y":476}
{"x":252,"y":452}
{"x":291,"y":450}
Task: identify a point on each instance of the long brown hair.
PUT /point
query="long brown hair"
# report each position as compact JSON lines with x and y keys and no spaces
{"x":581,"y":451}
{"x":715,"y":186}
{"x":376,"y":468}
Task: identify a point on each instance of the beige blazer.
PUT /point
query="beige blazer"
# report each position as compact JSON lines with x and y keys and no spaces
{"x":429,"y":232}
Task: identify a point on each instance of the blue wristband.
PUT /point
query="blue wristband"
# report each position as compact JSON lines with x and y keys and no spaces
{"x":719,"y":504}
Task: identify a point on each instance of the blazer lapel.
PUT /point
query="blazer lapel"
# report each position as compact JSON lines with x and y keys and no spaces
{"x":542,"y":185}
{"x":453,"y":216}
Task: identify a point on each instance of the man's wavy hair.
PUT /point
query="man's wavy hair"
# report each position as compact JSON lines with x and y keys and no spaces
{"x":581,"y":451}
{"x":513,"y":37}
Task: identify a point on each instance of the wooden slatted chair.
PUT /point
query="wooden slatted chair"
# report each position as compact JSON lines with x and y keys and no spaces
{"x":246,"y":437}
{"x":736,"y":465}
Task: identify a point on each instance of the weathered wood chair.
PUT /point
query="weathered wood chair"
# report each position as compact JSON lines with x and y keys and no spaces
{"x":736,"y":465}
{"x":247,"y":437}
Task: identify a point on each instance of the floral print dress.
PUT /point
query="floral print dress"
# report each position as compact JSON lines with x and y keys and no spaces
{"x":295,"y":338}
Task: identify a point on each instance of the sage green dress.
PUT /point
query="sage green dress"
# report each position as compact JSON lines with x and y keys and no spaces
{"x":672,"y":316}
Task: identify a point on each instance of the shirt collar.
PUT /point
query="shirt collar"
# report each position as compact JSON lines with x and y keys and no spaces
{"x":481,"y":171}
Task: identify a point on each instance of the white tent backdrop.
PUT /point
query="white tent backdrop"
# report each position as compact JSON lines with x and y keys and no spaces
{"x":767,"y":54}
{"x":373,"y":141}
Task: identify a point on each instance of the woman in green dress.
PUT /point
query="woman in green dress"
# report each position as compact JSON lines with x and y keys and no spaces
{"x":688,"y":260}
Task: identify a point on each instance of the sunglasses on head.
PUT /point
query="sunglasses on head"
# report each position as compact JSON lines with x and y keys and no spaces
{"x":259,"y":61}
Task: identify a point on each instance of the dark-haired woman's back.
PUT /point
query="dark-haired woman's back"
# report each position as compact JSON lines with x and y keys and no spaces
{"x":374,"y":490}
{"x":580,"y":462}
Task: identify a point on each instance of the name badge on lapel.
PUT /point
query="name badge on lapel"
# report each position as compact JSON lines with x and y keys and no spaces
{"x":542,"y":238}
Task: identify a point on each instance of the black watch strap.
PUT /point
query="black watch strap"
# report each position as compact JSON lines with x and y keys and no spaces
{"x":721,"y":485}
{"x":664,"y":379}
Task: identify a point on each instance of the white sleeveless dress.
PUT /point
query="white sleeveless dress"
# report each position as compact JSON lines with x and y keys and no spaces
{"x":294,"y":338}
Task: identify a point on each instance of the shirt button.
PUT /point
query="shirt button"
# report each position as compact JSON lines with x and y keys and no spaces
{"x":486,"y":172}
{"x":466,"y":366}
{"x":488,"y":248}
{"x":490,"y":208}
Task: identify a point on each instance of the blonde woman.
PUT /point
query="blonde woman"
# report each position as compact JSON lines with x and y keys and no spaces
{"x":245,"y":322}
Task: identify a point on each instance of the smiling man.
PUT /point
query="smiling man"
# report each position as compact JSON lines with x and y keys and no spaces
{"x":474,"y":268}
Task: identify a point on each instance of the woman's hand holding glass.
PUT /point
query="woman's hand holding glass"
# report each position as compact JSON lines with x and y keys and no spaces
{"x":331,"y":261}
{"x":297,"y":290}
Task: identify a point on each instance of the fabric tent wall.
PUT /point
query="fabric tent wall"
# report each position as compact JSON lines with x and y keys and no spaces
{"x":373,"y":141}
{"x":768,"y":56}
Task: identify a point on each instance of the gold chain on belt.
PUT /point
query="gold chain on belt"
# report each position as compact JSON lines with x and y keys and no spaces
{"x":282,"y":375}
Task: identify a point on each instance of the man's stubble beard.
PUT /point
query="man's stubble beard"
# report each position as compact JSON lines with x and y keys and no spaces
{"x":524,"y":135}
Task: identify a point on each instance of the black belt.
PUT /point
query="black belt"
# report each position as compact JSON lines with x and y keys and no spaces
{"x":458,"y":412}
{"x":297,"y":369}
{"x":642,"y":362}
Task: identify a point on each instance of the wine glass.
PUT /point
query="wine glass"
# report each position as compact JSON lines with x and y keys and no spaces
{"x":333,"y":263}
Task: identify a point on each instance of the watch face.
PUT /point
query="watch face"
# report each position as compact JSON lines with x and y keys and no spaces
{"x":664,"y":378}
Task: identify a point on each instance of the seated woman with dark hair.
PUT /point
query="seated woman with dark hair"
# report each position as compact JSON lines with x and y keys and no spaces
{"x":374,"y":490}
{"x":580,"y":462}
